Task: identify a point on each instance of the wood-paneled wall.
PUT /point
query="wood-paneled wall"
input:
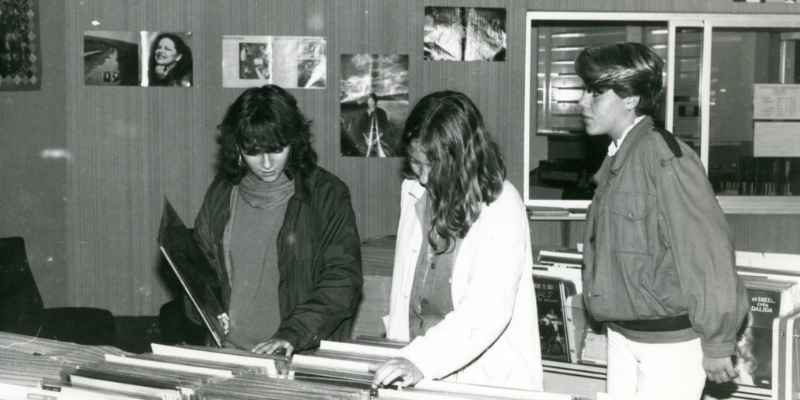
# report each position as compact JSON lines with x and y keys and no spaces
{"x":132,"y":146}
{"x":33,"y":162}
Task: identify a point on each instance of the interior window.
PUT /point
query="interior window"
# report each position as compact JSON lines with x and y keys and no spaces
{"x":732,"y":93}
{"x":754,"y":152}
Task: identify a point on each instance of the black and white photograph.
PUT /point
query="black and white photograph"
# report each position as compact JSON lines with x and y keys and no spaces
{"x":286,"y":61}
{"x":166,"y":59}
{"x":20,"y":57}
{"x":311,"y":63}
{"x":111,"y":58}
{"x":255,"y":61}
{"x":550,"y":299}
{"x":464,"y":34}
{"x":571,"y":200}
{"x":373,"y":104}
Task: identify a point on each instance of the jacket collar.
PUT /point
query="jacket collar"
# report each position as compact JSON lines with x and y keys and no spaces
{"x":416,"y":190}
{"x":633,"y":136}
{"x":302,"y":186}
{"x":613,"y":164}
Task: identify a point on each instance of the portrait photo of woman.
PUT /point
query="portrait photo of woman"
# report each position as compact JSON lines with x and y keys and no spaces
{"x":170,"y":59}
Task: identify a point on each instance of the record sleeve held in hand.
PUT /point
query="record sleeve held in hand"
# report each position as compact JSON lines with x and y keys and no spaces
{"x":200,"y":282}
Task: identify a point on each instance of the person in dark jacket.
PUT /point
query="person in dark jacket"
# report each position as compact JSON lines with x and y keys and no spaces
{"x":280,"y":230}
{"x":659,"y":261}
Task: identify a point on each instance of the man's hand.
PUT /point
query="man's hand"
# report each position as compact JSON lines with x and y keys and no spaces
{"x":394,"y":369}
{"x":719,"y":370}
{"x":272,"y":346}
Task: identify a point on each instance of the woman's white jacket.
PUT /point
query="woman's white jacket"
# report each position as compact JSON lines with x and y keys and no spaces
{"x":492,"y":337}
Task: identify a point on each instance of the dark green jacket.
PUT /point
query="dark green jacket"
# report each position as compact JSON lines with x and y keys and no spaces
{"x":319,"y":257}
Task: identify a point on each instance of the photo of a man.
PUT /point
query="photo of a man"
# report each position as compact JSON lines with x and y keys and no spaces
{"x":374,"y":104}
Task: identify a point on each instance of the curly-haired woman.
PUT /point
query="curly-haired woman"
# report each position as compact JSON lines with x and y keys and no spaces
{"x":462,"y":290}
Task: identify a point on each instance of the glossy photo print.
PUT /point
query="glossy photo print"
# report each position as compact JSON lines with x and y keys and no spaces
{"x":111,"y":58}
{"x":286,"y":61}
{"x":20,"y":55}
{"x":166,"y":59}
{"x":373,"y":104}
{"x":464,"y":34}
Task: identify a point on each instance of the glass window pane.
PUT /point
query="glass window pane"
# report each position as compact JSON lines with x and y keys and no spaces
{"x":688,"y":59}
{"x":751,"y":156}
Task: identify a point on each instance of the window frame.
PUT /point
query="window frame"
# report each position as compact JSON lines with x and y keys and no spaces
{"x":729,"y":204}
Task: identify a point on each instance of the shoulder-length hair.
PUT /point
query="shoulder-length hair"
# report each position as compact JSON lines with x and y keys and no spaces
{"x":264,"y":120}
{"x":629,"y":69}
{"x":182,"y":68}
{"x":467,"y":168}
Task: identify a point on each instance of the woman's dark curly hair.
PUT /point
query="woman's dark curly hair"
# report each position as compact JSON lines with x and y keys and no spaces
{"x":264,"y":120}
{"x":467,"y":168}
{"x":182,"y":69}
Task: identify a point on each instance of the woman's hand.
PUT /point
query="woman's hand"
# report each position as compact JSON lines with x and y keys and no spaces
{"x":273,"y":345}
{"x":394,"y":369}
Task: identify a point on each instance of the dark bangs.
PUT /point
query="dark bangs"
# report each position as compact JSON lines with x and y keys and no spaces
{"x":264,"y":120}
{"x":260,"y":135}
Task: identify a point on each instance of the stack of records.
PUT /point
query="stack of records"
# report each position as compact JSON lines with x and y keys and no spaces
{"x":377,"y":341}
{"x":535,"y":212}
{"x":163,"y":382}
{"x":267,"y":364}
{"x":377,"y":255}
{"x":246,"y":387}
{"x":170,"y":373}
{"x":351,"y":361}
{"x":26,"y":360}
{"x":345,"y":362}
{"x":569,"y":258}
{"x":64,"y":391}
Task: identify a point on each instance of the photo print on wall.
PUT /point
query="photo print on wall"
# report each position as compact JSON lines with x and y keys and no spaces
{"x":111,"y":58}
{"x":20,"y":55}
{"x":464,"y":34}
{"x":166,"y":59}
{"x":373,"y":104}
{"x":286,"y":61}
{"x":137,"y":58}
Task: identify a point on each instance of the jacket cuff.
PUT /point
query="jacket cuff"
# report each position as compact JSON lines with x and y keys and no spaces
{"x":417,"y":356}
{"x":718,"y":350}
